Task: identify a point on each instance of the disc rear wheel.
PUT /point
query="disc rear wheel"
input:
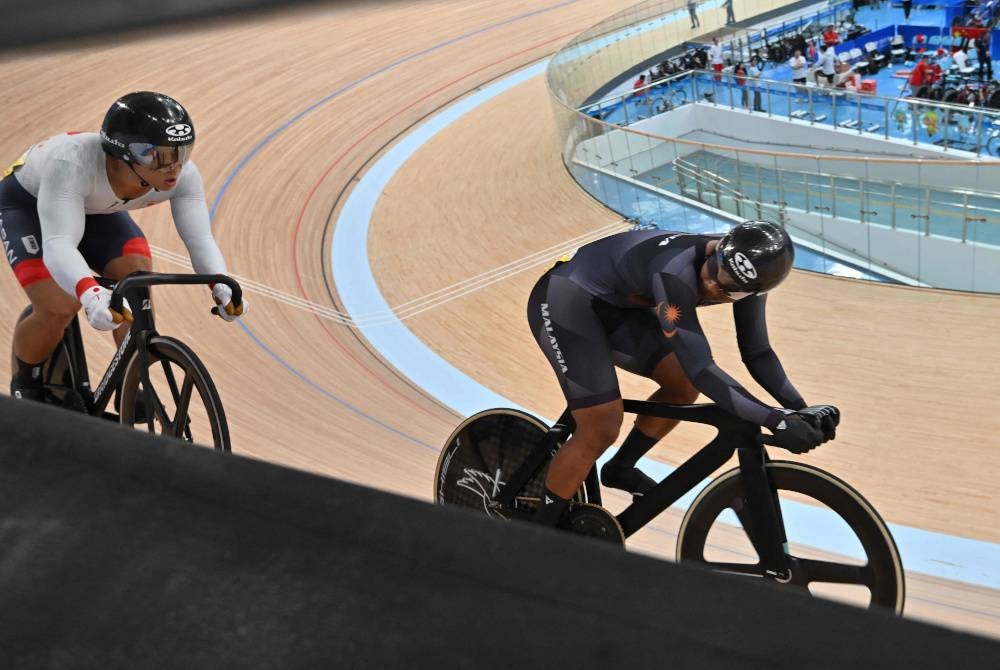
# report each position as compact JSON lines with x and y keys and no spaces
{"x":481,"y":456}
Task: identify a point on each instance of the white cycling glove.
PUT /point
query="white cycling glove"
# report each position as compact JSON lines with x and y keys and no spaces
{"x":223,"y":296}
{"x":96,"y":302}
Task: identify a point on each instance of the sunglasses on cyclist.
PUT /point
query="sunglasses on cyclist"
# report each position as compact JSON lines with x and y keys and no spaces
{"x":159,"y":158}
{"x":730,"y":289}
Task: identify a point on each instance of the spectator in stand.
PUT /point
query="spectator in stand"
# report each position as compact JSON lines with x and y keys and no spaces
{"x":754,"y":70}
{"x":983,"y":55}
{"x":715,"y":57}
{"x":701,"y":58}
{"x":740,"y":74}
{"x":730,"y":17}
{"x":961,"y":59}
{"x":830,"y":36}
{"x":798,"y":65}
{"x":934,"y":73}
{"x":639,"y":83}
{"x":827,"y":64}
{"x":942,"y":60}
{"x":693,"y":11}
{"x":918,"y":77}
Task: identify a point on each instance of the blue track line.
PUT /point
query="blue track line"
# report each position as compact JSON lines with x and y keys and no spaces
{"x":926,"y":552}
{"x":973,"y":561}
{"x":357,"y":82}
{"x":298,"y":117}
{"x":328,"y":394}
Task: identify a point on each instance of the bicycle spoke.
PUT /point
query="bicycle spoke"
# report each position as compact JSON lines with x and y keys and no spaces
{"x":183,"y":404}
{"x":828,"y":572}
{"x":880,"y":577}
{"x":742,"y":513}
{"x":159,"y":410}
{"x":168,"y":372}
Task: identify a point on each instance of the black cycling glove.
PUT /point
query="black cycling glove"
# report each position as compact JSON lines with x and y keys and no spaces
{"x":796,"y":434}
{"x":824,"y":417}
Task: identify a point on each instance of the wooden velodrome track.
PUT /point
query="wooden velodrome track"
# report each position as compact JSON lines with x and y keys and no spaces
{"x":913,"y":371}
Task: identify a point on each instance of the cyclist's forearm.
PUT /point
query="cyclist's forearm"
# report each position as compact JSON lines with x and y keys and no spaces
{"x":66,"y":265}
{"x":731,"y":396}
{"x":766,"y":370}
{"x":193,"y":226}
{"x":62,"y":221}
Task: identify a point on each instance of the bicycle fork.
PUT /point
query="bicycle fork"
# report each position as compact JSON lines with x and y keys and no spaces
{"x":761,"y":516}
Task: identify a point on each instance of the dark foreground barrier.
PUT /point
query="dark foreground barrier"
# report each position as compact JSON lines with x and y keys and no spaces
{"x":120,"y":550}
{"x":23,"y":23}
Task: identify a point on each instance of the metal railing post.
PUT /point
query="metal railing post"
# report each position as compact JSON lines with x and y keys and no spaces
{"x":947,"y":128}
{"x":927,"y":217}
{"x":979,"y":133}
{"x":833,"y":196}
{"x":892,"y":199}
{"x":965,"y":217}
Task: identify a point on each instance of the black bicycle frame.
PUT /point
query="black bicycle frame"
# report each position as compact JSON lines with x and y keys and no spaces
{"x":134,"y":288}
{"x":761,"y":516}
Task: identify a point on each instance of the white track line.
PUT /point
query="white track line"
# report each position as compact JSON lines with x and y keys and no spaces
{"x":416,"y":306}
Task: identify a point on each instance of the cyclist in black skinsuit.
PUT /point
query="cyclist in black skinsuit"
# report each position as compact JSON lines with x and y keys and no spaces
{"x":629,"y":301}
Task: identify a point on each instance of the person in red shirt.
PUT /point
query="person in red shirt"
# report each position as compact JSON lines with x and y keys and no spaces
{"x":933,"y":74}
{"x":830,"y":36}
{"x":918,"y":78}
{"x":639,"y":83}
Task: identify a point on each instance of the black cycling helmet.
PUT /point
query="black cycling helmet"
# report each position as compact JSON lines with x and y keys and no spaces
{"x":757,"y":255}
{"x":148,"y":129}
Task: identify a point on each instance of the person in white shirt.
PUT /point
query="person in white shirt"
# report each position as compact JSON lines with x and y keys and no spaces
{"x":961,"y":60}
{"x":798,"y":65}
{"x":715,"y":58}
{"x":754,"y":71}
{"x":827,"y":63}
{"x":64,"y":211}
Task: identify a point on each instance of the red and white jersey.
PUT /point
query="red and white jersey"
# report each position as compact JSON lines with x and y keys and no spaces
{"x":68,"y":176}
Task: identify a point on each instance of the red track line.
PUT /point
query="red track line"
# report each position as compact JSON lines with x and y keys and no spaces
{"x":336,"y":162}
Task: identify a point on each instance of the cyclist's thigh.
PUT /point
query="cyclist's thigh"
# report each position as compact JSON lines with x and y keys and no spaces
{"x":573,"y":340}
{"x":636,"y":339}
{"x":47,"y":297}
{"x":114,"y":243}
{"x":671,"y":377}
{"x":21,"y":233}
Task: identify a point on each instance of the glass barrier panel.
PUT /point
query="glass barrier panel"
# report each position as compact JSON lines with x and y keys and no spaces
{"x":902,"y":217}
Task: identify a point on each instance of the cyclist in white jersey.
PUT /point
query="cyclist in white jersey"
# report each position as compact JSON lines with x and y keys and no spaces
{"x":63,"y":216}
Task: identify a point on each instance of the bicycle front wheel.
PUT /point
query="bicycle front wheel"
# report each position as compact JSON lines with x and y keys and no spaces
{"x":482,"y":454}
{"x":866,"y":569}
{"x":185,"y":402}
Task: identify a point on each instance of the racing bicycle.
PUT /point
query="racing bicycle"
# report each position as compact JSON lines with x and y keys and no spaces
{"x":495,"y":463}
{"x":153,"y":381}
